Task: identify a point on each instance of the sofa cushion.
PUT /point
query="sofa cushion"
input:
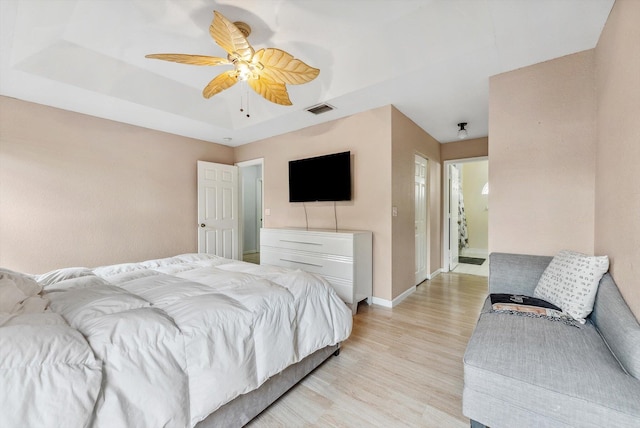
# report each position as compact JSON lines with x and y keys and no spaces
{"x":571,"y":282}
{"x":617,"y":325}
{"x":515,"y":273}
{"x":559,"y":372}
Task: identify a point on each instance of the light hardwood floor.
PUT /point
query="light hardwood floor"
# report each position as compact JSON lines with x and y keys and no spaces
{"x":400,"y":367}
{"x":251,"y":258}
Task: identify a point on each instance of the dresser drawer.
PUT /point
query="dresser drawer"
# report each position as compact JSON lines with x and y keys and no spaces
{"x":327,"y":266}
{"x":336,"y":244}
{"x":344,"y":290}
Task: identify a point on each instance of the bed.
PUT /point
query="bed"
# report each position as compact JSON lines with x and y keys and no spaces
{"x":186,"y":341}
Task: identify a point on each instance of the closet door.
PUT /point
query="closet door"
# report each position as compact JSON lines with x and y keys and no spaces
{"x":420,"y":178}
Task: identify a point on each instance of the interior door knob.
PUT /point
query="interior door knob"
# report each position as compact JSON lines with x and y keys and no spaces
{"x":202,"y":225}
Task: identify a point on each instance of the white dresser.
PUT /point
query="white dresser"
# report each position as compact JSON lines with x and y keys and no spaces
{"x":343,"y":258}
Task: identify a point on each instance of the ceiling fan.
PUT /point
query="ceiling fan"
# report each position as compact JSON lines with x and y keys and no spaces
{"x":266,"y":71}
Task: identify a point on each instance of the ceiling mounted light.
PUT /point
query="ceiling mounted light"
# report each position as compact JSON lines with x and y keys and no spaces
{"x":266,"y":71}
{"x":462,"y":133}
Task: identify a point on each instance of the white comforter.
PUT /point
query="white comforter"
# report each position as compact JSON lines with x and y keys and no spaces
{"x":167,"y":341}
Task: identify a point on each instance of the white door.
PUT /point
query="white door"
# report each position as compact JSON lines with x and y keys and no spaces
{"x":454,"y":201}
{"x":420,"y":168}
{"x":218,"y":223}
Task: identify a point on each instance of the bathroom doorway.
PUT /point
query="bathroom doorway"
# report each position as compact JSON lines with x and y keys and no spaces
{"x":251,"y":189}
{"x":466,"y":214}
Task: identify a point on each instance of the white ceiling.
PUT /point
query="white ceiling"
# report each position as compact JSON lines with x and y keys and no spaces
{"x":430,"y":58}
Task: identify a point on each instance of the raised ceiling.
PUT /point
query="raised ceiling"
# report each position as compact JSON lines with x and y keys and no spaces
{"x":431,"y":59}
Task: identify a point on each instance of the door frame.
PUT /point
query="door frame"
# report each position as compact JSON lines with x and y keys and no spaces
{"x":421,"y":276}
{"x":240,"y":165}
{"x":446,"y":203}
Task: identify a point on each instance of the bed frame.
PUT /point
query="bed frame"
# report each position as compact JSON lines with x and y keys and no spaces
{"x":244,"y":408}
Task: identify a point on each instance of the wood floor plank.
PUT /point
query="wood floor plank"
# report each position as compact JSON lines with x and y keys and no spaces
{"x":400,"y":367}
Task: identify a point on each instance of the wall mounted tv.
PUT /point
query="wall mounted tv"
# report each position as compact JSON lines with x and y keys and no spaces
{"x":322,"y":178}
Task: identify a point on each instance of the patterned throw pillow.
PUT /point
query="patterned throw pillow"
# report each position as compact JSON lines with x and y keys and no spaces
{"x":571,"y":281}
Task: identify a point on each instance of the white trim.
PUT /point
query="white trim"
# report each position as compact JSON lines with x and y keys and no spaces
{"x":392,"y":303}
{"x":424,"y":273}
{"x":240,"y":165}
{"x":381,"y":302}
{"x":258,"y":161}
{"x":434,"y":274}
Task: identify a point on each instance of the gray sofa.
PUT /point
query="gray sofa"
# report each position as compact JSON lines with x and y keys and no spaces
{"x":532,"y":372}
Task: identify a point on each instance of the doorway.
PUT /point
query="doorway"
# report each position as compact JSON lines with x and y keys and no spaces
{"x":421,"y":210}
{"x":466,"y":214}
{"x":251,"y":196}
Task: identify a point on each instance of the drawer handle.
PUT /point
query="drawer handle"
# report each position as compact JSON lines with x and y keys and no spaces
{"x":300,"y":242}
{"x":302,"y":263}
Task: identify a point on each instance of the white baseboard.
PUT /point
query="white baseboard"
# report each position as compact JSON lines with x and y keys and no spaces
{"x":381,"y":302}
{"x":434,"y":274}
{"x":391,"y":303}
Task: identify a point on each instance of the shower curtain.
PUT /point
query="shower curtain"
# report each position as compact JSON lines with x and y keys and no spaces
{"x":463,"y":236}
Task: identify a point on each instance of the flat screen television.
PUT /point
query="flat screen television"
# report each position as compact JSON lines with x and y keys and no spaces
{"x":321,"y":178}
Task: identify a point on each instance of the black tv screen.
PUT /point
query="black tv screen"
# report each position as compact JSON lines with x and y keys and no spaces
{"x":322,"y":178}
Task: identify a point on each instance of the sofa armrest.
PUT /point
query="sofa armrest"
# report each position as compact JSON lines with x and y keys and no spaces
{"x":515,"y":273}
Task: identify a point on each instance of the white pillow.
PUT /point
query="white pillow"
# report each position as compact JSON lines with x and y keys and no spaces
{"x":571,"y":282}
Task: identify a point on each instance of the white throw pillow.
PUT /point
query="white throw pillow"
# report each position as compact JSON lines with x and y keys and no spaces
{"x":571,"y":282}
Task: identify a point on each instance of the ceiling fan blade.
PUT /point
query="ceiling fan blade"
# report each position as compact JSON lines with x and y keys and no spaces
{"x":280,"y":66}
{"x":271,"y":91}
{"x":189,"y":59}
{"x":220,"y":83}
{"x":229,"y":37}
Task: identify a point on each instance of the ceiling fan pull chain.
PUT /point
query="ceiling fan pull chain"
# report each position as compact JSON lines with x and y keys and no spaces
{"x":244,"y":96}
{"x":247,"y":92}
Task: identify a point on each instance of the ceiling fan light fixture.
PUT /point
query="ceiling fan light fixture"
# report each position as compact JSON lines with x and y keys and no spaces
{"x":462,"y":132}
{"x":244,"y":71}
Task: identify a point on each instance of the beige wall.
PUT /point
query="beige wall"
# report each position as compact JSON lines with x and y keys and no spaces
{"x":408,"y":140}
{"x":465,"y":149}
{"x":76,"y":190}
{"x":542,"y":148}
{"x":617,"y":208}
{"x":368,"y":136}
{"x":474,"y":176}
{"x":382,"y":142}
{"x":564,"y":153}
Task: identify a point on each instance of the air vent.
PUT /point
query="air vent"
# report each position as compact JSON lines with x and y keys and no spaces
{"x":320,"y":108}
